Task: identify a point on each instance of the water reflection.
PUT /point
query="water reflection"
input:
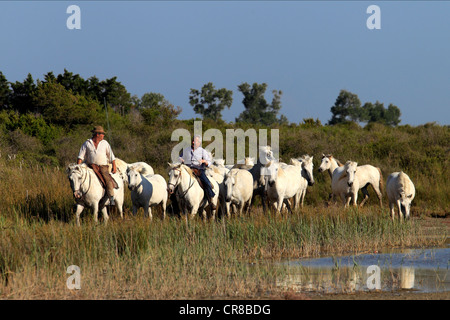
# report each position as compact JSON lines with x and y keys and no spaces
{"x":418,"y":270}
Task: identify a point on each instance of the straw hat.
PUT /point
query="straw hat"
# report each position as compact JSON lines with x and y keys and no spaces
{"x":98,"y":129}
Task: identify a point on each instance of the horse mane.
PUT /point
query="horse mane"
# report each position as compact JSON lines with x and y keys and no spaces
{"x":344,"y":174}
{"x":140,"y":167}
{"x":338,"y":162}
{"x":71,"y":166}
{"x":329,"y":156}
{"x":189,"y":170}
{"x":121,"y":165}
{"x":295,"y":162}
{"x":219,"y":162}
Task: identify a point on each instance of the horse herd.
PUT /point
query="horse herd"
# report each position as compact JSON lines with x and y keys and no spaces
{"x":281,"y":186}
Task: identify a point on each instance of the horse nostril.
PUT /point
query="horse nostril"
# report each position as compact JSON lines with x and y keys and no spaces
{"x":350,"y":184}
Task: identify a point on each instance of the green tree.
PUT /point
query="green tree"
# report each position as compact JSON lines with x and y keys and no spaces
{"x":347,"y":107}
{"x":392,"y":115}
{"x":73,"y":82}
{"x":62,"y":107}
{"x":5,"y":92}
{"x":209,"y":102}
{"x":155,"y":108}
{"x":257,"y":109}
{"x":22,"y":95}
{"x":376,"y":112}
{"x":116,"y":95}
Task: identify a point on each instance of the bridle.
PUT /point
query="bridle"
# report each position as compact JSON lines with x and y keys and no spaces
{"x":177,"y":182}
{"x":86,"y":174}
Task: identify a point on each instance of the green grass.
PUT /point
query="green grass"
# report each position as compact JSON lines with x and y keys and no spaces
{"x":136,"y":258}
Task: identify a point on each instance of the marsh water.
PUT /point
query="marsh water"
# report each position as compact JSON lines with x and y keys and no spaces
{"x":420,"y":270}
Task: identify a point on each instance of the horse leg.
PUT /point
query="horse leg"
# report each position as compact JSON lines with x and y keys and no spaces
{"x":355,"y":197}
{"x":279,"y":204}
{"x":149,"y":213}
{"x":135,"y":210}
{"x":119,"y":206}
{"x":288,"y":207}
{"x":227,"y":209}
{"x":392,"y":206}
{"x":366,"y":195}
{"x":95,"y":212}
{"x":378,"y":192}
{"x":347,"y":200}
{"x":79,"y":209}
{"x":193,"y":212}
{"x":163,"y":206}
{"x":105,"y":215}
{"x":400,"y":213}
{"x":249,"y":205}
{"x":302,"y":198}
{"x":263,"y":201}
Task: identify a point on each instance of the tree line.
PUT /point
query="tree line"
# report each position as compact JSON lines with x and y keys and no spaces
{"x":67,"y":100}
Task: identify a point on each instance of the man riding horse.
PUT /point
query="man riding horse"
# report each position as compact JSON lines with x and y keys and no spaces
{"x":198,"y":159}
{"x":97,"y":154}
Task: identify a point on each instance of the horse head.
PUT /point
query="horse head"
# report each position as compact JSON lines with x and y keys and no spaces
{"x":76,"y":178}
{"x":265,"y":154}
{"x":269,"y":173}
{"x":229,"y":183}
{"x":174,"y":176}
{"x":134,"y":178}
{"x":307,"y":169}
{"x":326,"y":163}
{"x":350,"y":170}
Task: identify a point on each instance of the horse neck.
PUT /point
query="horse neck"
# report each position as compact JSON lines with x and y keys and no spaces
{"x":186,"y":181}
{"x":86,"y":181}
{"x":334,"y":164}
{"x":139,"y":181}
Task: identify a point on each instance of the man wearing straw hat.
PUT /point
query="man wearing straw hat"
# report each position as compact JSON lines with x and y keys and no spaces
{"x":97,"y":154}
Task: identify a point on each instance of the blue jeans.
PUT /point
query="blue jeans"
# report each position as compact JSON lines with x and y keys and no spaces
{"x":206,"y":184}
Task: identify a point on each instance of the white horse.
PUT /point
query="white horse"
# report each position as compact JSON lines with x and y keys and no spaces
{"x":329,"y":163}
{"x":123,"y":166}
{"x":147,"y":191}
{"x":190,"y":194}
{"x":401,"y":192}
{"x":347,"y":181}
{"x":88,"y":191}
{"x":265,"y":155}
{"x":307,"y":176}
{"x":218,"y":172}
{"x":142,"y":167}
{"x":239,"y":190}
{"x":282,"y":182}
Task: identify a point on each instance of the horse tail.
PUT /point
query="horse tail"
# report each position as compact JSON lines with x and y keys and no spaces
{"x":381,"y":181}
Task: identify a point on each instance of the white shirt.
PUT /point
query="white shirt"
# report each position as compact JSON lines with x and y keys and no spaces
{"x":102,"y":155}
{"x":193,"y":157}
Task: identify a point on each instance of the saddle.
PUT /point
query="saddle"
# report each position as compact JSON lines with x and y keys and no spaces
{"x":197,"y":174}
{"x":96,"y":169}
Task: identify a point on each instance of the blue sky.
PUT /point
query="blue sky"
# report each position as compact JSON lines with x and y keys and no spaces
{"x":309,"y":50}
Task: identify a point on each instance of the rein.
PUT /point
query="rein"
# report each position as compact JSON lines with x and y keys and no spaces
{"x":179,"y":178}
{"x":82,"y":183}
